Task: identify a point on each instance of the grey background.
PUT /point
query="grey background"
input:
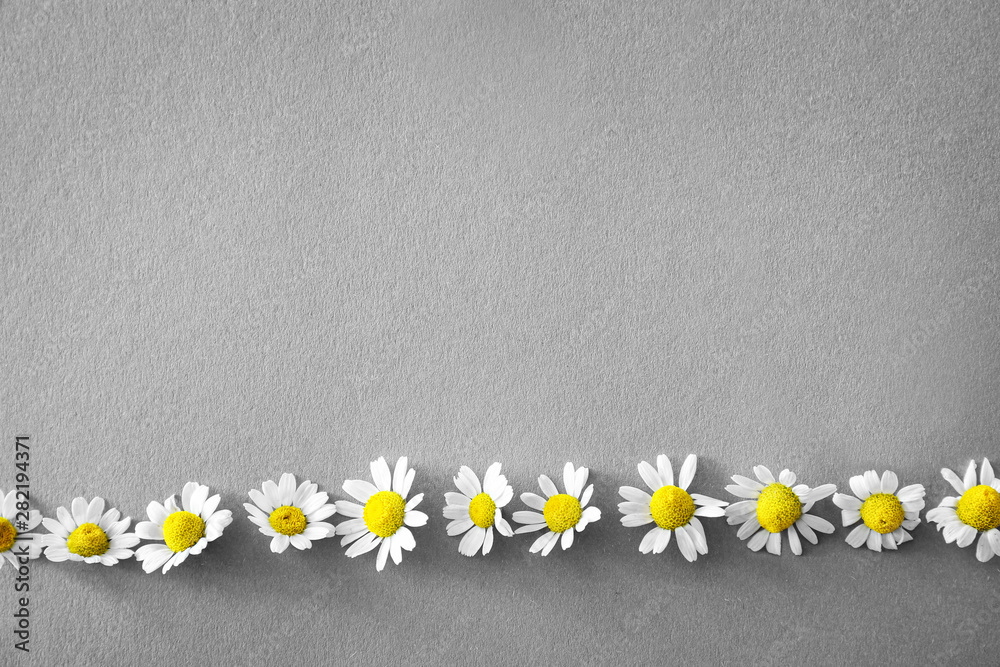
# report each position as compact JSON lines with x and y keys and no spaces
{"x":240,"y":239}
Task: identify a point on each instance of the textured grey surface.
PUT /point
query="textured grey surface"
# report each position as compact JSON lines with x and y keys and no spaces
{"x":240,"y":239}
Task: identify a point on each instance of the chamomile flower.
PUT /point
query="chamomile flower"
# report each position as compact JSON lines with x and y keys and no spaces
{"x":185,"y":530}
{"x":976,"y":511}
{"x":88,"y":534}
{"x":475,"y":511}
{"x":16,"y":538}
{"x":290,"y":515}
{"x":386,"y":517}
{"x":562,"y":513}
{"x":776,"y":506}
{"x":672,"y":508}
{"x":885,"y":514}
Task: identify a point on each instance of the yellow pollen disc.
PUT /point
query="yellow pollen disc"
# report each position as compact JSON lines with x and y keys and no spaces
{"x":288,"y":520}
{"x":384,"y":513}
{"x":778,"y":508}
{"x":182,"y":530}
{"x":882,"y":512}
{"x":979,"y":507}
{"x":7,"y":535}
{"x":671,"y":507}
{"x":482,"y":510}
{"x":87,"y":540}
{"x":562,"y":512}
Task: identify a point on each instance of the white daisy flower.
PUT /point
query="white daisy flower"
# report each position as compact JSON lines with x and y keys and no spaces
{"x":672,"y":508}
{"x":386,"y":517}
{"x":88,"y":534}
{"x":886,"y":515}
{"x":775,"y":506}
{"x":975,"y":511}
{"x":16,"y":538}
{"x":290,"y":515}
{"x":563,"y":513}
{"x":185,"y":530}
{"x":475,"y":511}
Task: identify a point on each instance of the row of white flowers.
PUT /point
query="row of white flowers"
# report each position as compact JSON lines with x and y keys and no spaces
{"x":384,"y":513}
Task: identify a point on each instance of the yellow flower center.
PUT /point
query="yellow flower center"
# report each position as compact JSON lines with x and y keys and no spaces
{"x":482,"y":509}
{"x":7,"y":535}
{"x":671,"y":507}
{"x":87,"y":540}
{"x":778,"y":508}
{"x":979,"y":507}
{"x":182,"y":530}
{"x":882,"y":512}
{"x":561,"y":512}
{"x":288,"y":520}
{"x":384,"y":513}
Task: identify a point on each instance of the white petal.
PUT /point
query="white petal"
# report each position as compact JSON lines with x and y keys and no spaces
{"x":405,"y":538}
{"x":705,"y":501}
{"x":984,"y":551}
{"x":697,"y":533}
{"x":686,"y":544}
{"x":850,"y":517}
{"x":986,"y":475}
{"x":567,"y":539}
{"x":662,"y":540}
{"x":787,"y":477}
{"x":742,"y":491}
{"x":805,"y":531}
{"x":763,"y":474}
{"x":665,"y":470}
{"x":380,"y":474}
{"x":533,"y":501}
{"x":710,"y":511}
{"x":650,"y":476}
{"x":79,"y":509}
{"x":860,"y":487}
{"x":793,"y":541}
{"x":547,"y":487}
{"x":874,"y":539}
{"x":629,"y":493}
{"x":970,"y":475}
{"x":748,"y":483}
{"x":650,"y":538}
{"x":415,"y":518}
{"x":467,"y":482}
{"x":774,"y":544}
{"x":953,"y":479}
{"x":399,"y":475}
{"x":758,"y":541}
{"x":873,"y":481}
{"x":911,"y":493}
{"x":501,"y":525}
{"x":569,"y":480}
{"x":889,"y":482}
{"x":582,"y":475}
{"x":358,"y":489}
{"x":383,"y":551}
{"x":846,"y":502}
{"x":540,"y":542}
{"x":551,"y":544}
{"x":688,"y":470}
{"x":749,"y":528}
{"x":459,"y":526}
{"x":858,"y":536}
